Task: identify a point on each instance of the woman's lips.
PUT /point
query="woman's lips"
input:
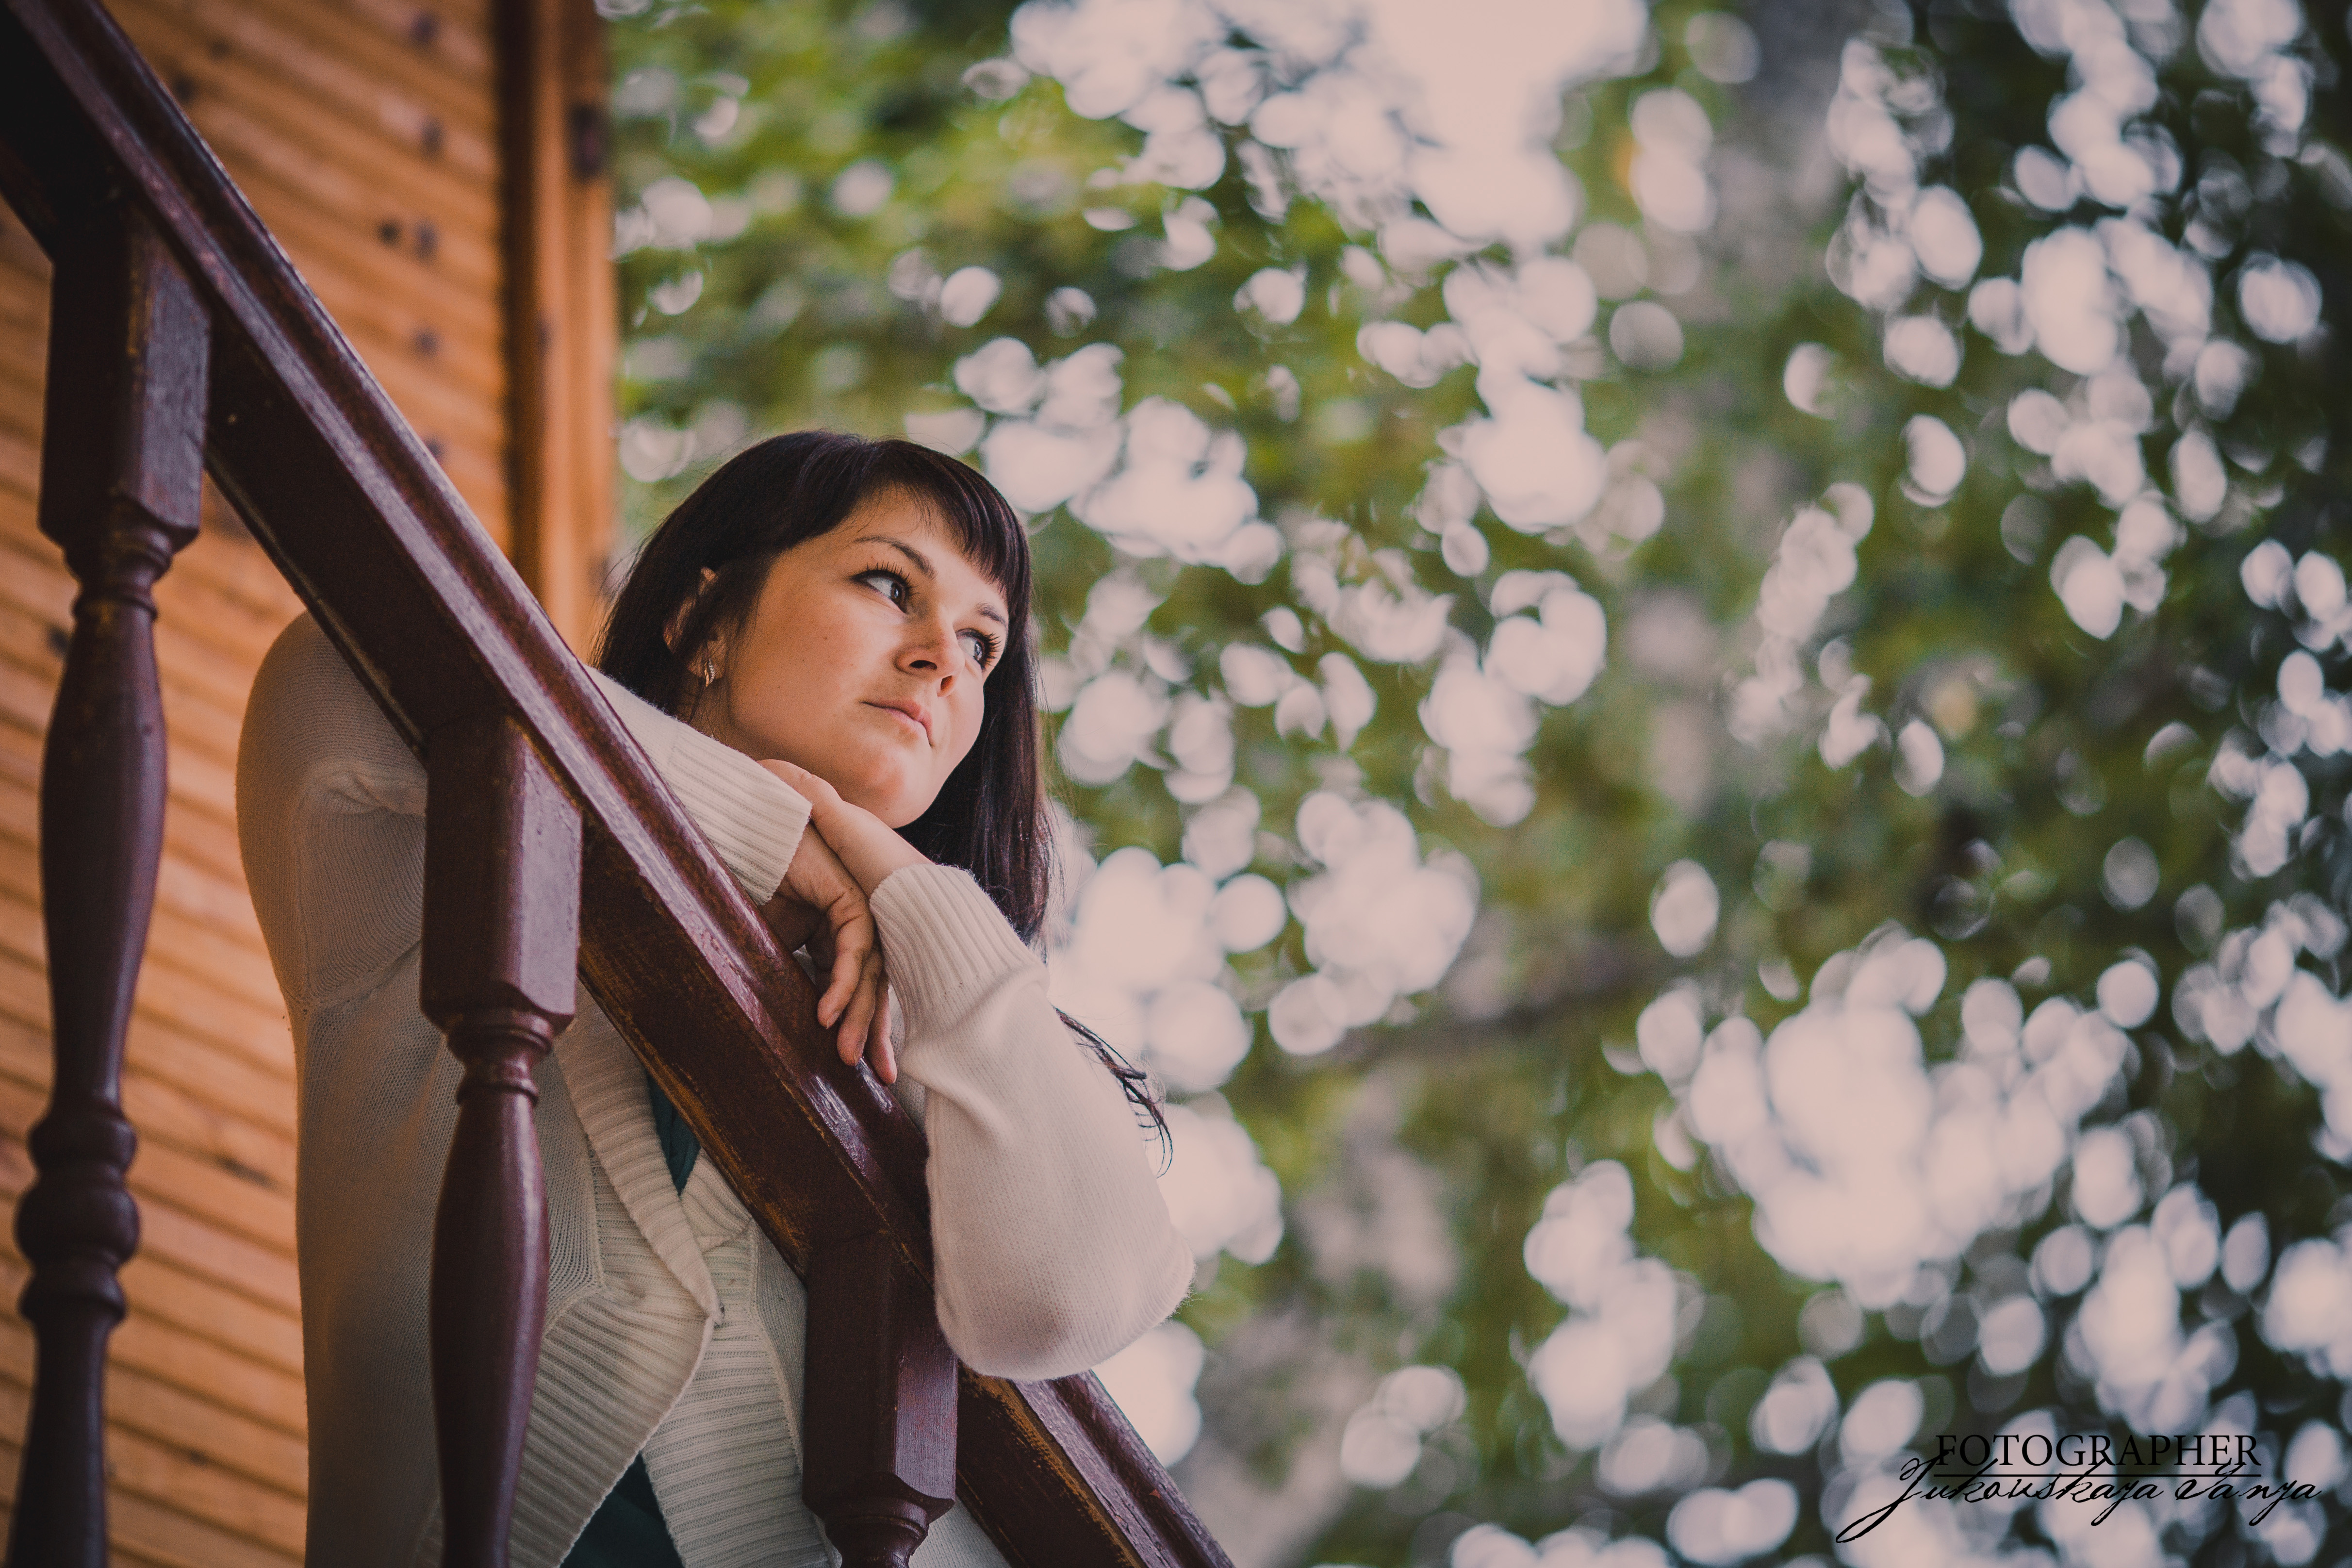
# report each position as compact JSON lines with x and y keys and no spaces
{"x":909,"y":711}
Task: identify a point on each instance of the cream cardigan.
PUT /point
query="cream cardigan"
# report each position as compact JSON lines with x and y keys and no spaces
{"x":673,"y":1325}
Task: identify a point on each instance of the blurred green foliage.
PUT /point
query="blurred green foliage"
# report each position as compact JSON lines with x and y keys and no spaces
{"x":794,"y":296}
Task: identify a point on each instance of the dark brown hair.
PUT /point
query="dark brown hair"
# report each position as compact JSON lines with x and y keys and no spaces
{"x":991,"y":816}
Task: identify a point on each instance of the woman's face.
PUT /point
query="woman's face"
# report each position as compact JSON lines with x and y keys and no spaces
{"x":862,"y":658}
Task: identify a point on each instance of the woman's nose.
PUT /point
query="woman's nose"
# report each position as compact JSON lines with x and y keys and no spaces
{"x":929,"y":650}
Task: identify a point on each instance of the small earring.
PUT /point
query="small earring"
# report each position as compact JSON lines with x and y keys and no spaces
{"x":710,"y":670}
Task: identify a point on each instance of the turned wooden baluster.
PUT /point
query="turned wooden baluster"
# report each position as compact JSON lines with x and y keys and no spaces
{"x":880,"y":1402}
{"x":122,"y":463}
{"x":501,"y":943}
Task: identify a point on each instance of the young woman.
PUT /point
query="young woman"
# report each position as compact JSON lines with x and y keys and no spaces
{"x":825,"y":653}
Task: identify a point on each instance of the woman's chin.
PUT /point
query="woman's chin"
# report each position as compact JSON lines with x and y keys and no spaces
{"x":889,"y":796}
{"x":899,"y":812}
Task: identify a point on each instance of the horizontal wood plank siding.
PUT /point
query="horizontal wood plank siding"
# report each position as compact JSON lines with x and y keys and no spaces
{"x":366,"y":134}
{"x":381,"y":188}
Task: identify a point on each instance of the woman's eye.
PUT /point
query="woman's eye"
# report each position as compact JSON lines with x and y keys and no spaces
{"x":889,"y":585}
{"x":983,"y":648}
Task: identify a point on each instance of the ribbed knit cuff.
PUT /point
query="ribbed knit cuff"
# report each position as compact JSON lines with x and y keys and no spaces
{"x":751,"y":817}
{"x":946,"y":943}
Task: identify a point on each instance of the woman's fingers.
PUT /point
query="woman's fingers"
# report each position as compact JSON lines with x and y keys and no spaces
{"x":821,"y":795}
{"x":794,"y":924}
{"x":855,"y":996}
{"x":879,"y":1054}
{"x":857,"y":1022}
{"x":818,"y":902}
{"x":850,"y":935}
{"x":841,"y":936}
{"x":846,"y":854}
{"x":869,"y":850}
{"x":864,"y":1007}
{"x":840,"y":985}
{"x":864,"y":1013}
{"x":852,"y":1032}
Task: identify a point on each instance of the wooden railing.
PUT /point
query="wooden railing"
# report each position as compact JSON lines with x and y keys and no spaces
{"x":181,"y":342}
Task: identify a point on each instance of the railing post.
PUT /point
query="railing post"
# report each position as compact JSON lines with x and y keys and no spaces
{"x":121,"y":469}
{"x":502,"y":945}
{"x":880,"y":1403}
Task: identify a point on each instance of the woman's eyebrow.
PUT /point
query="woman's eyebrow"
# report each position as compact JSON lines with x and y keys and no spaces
{"x":922,"y":561}
{"x":923,"y":564}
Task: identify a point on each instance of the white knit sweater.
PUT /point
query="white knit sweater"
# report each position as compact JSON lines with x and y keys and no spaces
{"x":673,"y":1325}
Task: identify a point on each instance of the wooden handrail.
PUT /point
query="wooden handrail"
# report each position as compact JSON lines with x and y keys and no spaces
{"x":361,"y":522}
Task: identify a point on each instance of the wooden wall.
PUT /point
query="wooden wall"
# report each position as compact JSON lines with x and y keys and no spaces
{"x":366,"y":133}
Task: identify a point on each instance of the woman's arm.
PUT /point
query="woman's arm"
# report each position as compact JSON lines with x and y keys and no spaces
{"x":1051,"y":1245}
{"x":330,"y":807}
{"x":752,"y":818}
{"x":758,"y":822}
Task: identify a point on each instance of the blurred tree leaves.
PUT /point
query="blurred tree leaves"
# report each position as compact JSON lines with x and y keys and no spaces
{"x":804,"y":187}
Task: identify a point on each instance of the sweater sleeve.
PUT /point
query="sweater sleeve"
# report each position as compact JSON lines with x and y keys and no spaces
{"x":752,"y":818}
{"x":330,"y":816}
{"x":1053,"y":1247}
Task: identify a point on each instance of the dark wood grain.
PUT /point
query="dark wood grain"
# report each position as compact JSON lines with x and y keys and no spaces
{"x":122,"y":467}
{"x":878,"y":1438}
{"x":501,"y":950}
{"x":360,"y":519}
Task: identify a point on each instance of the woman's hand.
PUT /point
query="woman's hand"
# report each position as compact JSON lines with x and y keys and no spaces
{"x":868,"y":850}
{"x":866,"y":846}
{"x":820,"y":905}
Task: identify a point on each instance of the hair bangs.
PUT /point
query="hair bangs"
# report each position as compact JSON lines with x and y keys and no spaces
{"x":984,"y":524}
{"x":702,"y":568}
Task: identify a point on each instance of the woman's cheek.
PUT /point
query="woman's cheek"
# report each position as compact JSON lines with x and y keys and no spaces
{"x":968,"y":720}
